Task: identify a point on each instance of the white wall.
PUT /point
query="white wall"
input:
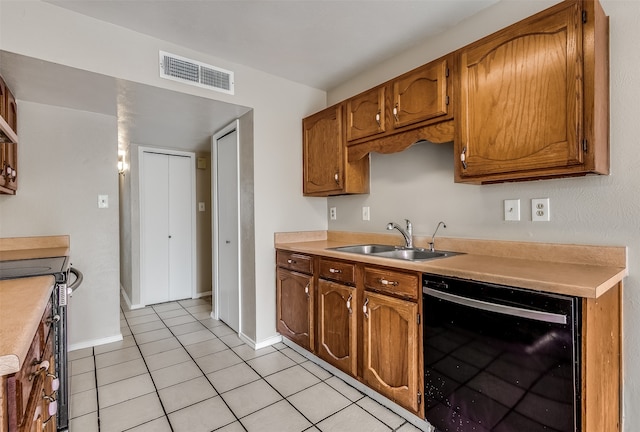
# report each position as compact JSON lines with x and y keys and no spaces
{"x":418,"y":183}
{"x":44,"y":31}
{"x":63,"y":165}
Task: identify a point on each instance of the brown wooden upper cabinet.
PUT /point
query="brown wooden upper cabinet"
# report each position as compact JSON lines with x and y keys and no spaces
{"x":534,"y":98}
{"x":326,"y":170}
{"x":416,"y":98}
{"x":8,"y":141}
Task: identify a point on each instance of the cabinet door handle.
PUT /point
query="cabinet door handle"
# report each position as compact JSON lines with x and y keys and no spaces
{"x":332,"y":270}
{"x":364,"y":308}
{"x":306,"y":290}
{"x":378,"y":118}
{"x":388,"y":282}
{"x":463,"y":158}
{"x":349,"y":303}
{"x":336,"y":177}
{"x":395,"y":113}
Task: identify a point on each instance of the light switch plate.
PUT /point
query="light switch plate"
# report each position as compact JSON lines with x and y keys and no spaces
{"x":512,"y":210}
{"x":366,"y":213}
{"x":103,"y":201}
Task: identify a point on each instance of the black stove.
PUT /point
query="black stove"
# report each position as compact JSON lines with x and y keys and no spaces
{"x":60,"y":268}
{"x":33,"y":267}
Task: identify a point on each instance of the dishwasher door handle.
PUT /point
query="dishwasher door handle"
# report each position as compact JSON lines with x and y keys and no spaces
{"x":498,"y":308}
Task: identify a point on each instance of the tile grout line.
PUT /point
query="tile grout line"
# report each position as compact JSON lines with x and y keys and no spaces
{"x":199,"y":368}
{"x":95,"y":376}
{"x":150,"y":376}
{"x":280,"y":350}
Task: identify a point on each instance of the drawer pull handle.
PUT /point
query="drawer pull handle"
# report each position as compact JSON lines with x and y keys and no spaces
{"x":349,"y":304}
{"x":55,"y":382}
{"x":42,"y":367}
{"x":332,"y":270}
{"x":290,"y":261}
{"x":53,"y":319}
{"x":388,"y":282}
{"x":364,"y":308}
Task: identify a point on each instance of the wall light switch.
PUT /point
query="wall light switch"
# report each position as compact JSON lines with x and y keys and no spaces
{"x":201,"y":206}
{"x":512,"y":210}
{"x":366,"y":215}
{"x":540,"y":210}
{"x":103,"y":201}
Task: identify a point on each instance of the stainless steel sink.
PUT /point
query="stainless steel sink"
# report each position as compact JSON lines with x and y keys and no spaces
{"x":395,"y":252}
{"x":366,"y":249}
{"x":413,"y":254}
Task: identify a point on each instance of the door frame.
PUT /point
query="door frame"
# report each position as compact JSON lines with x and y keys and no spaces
{"x":192,"y":175}
{"x":215,"y":313}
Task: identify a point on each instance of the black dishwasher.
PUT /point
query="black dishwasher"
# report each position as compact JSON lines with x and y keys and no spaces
{"x":499,"y":358}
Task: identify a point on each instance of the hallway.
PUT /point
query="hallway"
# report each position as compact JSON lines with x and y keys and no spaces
{"x":179,"y":370}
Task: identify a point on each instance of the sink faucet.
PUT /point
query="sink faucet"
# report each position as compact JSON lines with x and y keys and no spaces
{"x":407,"y":234}
{"x":432,"y":245}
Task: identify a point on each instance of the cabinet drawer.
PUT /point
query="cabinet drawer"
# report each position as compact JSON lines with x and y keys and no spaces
{"x":294,"y":261}
{"x":337,"y":270}
{"x":404,"y":285}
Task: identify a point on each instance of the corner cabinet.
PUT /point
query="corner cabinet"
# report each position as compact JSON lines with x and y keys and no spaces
{"x":534,"y":98}
{"x":326,"y":170}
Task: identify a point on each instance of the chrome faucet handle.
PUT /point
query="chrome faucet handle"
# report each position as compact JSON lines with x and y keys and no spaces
{"x":432,"y":244}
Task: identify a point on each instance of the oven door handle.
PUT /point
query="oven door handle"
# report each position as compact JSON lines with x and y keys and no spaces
{"x":79,"y":277}
{"x":498,"y":308}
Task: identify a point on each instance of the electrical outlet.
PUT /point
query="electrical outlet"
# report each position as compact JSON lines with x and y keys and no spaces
{"x":512,"y":210}
{"x":366,"y":214}
{"x":333,"y":214}
{"x":540,"y":210}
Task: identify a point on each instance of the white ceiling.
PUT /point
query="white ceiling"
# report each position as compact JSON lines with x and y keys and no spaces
{"x":315,"y":42}
{"x":320,"y":43}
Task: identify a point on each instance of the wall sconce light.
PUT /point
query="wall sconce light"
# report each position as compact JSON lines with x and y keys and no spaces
{"x":121,"y":165}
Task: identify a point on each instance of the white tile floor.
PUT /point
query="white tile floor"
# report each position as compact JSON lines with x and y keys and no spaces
{"x":179,"y":370}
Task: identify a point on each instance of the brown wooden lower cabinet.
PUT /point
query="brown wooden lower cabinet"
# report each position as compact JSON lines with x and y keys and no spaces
{"x":295,"y":301}
{"x":337,"y":325}
{"x":27,"y":398}
{"x":391,"y":349}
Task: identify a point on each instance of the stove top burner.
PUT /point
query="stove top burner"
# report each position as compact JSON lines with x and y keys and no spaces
{"x":33,"y":267}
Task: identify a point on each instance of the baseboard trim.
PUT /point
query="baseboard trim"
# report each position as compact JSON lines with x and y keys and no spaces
{"x":202,"y":294}
{"x":95,"y":342}
{"x":127,"y":300}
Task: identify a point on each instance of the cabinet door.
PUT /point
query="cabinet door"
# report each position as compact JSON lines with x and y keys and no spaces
{"x":323,"y":152}
{"x":390,"y":337}
{"x":337,"y":335}
{"x":294,"y":303}
{"x":11,"y":167}
{"x":421,"y":94}
{"x":366,"y":114}
{"x":521,"y":98}
{"x":3,"y":164}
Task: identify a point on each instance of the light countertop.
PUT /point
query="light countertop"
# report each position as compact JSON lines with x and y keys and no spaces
{"x":577,"y":270}
{"x":22,"y":304}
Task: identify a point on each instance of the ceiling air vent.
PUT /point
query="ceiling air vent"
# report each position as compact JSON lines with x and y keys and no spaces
{"x":193,"y":72}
